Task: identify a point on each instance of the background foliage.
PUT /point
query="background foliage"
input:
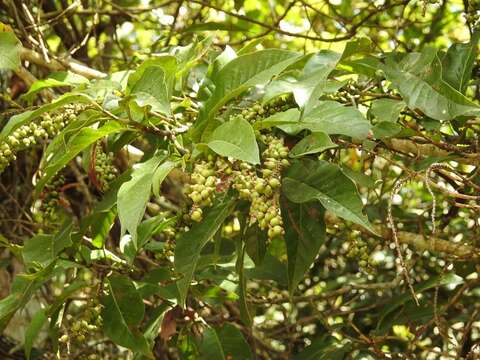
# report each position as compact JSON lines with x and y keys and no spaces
{"x":239,"y":179}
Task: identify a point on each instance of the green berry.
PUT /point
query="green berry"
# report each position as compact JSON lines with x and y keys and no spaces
{"x":196,"y":215}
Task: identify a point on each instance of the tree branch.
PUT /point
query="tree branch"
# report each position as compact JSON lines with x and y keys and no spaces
{"x":56,"y":65}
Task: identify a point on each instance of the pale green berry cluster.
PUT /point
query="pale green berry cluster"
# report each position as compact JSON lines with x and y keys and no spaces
{"x":27,"y":135}
{"x":201,"y":191}
{"x":82,"y":328}
{"x":260,"y":111}
{"x":263,"y":190}
{"x":46,"y":210}
{"x":105,"y":171}
{"x":359,"y":249}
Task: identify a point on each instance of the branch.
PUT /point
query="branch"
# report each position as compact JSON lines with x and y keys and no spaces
{"x":56,"y":65}
{"x":419,"y":242}
{"x":429,"y":150}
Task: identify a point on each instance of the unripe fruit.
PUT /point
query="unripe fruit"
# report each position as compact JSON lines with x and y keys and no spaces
{"x":228,"y":229}
{"x":196,"y":215}
{"x":274,"y":183}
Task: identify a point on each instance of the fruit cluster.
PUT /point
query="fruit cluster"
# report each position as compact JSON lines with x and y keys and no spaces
{"x":80,"y":329}
{"x":46,"y":210}
{"x":260,"y":111}
{"x":359,"y":249}
{"x":105,"y":171}
{"x":263,"y":190}
{"x":201,"y":190}
{"x":47,"y":126}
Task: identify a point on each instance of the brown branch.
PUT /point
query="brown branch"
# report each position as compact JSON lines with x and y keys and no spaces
{"x":418,"y":241}
{"x":429,"y":150}
{"x":57,"y":65}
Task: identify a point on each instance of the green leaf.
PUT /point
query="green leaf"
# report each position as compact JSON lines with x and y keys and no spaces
{"x":191,"y":243}
{"x":34,"y":328}
{"x":313,"y":82}
{"x":458,"y":63}
{"x":359,"y":178}
{"x":386,"y":129}
{"x":122,"y":313}
{"x":387,"y":109}
{"x":101,"y":228}
{"x":255,"y":243}
{"x":57,"y":79}
{"x":331,"y":117}
{"x":151,"y":89}
{"x":309,"y":180}
{"x":10,"y":48}
{"x":152,"y":226}
{"x":23,"y":288}
{"x":358,"y":46}
{"x":152,"y":83}
{"x":133,"y":195}
{"x":43,"y":248}
{"x":211,"y":347}
{"x":304,"y":235}
{"x":236,"y":139}
{"x":288,"y":117}
{"x":226,"y":342}
{"x":246,"y":71}
{"x":418,"y":78}
{"x":312,"y":144}
{"x":160,"y":174}
{"x":270,"y":269}
{"x":80,"y":141}
{"x":245,"y":315}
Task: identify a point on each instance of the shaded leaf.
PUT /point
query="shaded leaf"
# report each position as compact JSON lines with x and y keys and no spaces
{"x":122,"y":312}
{"x":304,"y":235}
{"x":387,"y":109}
{"x":44,"y":248}
{"x":418,"y":78}
{"x":33,"y":330}
{"x":458,"y":63}
{"x":309,"y":180}
{"x":133,"y":195}
{"x":312,"y":144}
{"x":224,"y":343}
{"x":190,"y":244}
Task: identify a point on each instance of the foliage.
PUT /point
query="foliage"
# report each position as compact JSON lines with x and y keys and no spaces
{"x":251,"y":179}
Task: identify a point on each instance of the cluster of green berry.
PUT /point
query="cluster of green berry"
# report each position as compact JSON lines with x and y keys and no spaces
{"x":345,"y":95}
{"x":105,"y":171}
{"x":359,"y":249}
{"x":260,"y":111}
{"x":263,"y":190}
{"x":27,"y":135}
{"x":202,"y":189}
{"x":46,"y":209}
{"x":80,"y":329}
